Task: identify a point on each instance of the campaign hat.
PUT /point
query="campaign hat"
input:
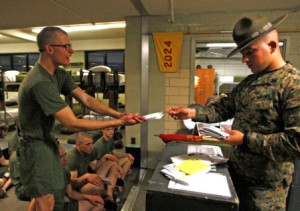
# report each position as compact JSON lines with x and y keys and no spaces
{"x":249,"y":29}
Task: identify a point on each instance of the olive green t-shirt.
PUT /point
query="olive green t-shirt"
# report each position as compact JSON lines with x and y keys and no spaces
{"x":39,"y":98}
{"x":79,"y":161}
{"x":102,"y":147}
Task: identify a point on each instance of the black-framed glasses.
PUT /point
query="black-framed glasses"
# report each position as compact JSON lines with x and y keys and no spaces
{"x":66,"y":46}
{"x":109,"y":129}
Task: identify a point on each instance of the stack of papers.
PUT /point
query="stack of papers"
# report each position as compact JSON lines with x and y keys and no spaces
{"x":187,"y":168}
{"x":212,"y":154}
{"x":211,"y":131}
{"x":210,"y":183}
{"x":204,"y":149}
{"x":174,"y":174}
{"x":186,"y":172}
{"x":193,"y":172}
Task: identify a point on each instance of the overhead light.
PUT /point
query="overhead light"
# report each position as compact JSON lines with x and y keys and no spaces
{"x":216,"y":54}
{"x":87,"y":27}
{"x":222,"y":45}
{"x":226,"y":32}
{"x":19,"y":34}
{"x":226,"y":45}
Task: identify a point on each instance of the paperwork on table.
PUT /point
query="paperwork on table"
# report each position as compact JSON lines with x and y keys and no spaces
{"x":194,"y":171}
{"x":210,"y":183}
{"x":210,"y":153}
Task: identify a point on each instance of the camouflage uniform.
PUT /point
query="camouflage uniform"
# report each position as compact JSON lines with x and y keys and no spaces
{"x":266,"y":108}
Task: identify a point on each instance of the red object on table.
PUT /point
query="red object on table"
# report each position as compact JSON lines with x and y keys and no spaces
{"x":179,"y":137}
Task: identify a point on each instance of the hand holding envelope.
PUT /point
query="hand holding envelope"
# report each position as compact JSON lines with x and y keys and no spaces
{"x":157,"y":115}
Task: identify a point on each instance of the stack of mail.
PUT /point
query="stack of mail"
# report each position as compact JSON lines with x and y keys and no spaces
{"x":174,"y":174}
{"x":212,"y":131}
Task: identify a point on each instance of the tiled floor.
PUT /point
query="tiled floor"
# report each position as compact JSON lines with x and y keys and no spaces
{"x":132,"y":197}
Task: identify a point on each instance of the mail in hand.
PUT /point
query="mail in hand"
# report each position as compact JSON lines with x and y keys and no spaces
{"x":157,"y":115}
{"x":211,"y":131}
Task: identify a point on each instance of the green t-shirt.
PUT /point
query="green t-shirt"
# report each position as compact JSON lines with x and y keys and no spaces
{"x":102,"y":147}
{"x":79,"y":162}
{"x":39,"y":99}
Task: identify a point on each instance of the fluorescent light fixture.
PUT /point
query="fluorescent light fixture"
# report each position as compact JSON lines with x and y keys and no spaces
{"x":18,"y":34}
{"x":87,"y":27}
{"x":226,"y":32}
{"x":220,"y":45}
{"x":217,"y":54}
{"x":25,"y":36}
{"x":223,"y":45}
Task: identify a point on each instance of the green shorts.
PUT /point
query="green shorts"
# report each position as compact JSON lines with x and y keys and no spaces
{"x":41,"y":172}
{"x":71,"y":206}
{"x":21,"y":193}
{"x":3,"y":169}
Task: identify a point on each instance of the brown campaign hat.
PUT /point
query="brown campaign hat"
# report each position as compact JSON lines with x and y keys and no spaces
{"x":249,"y":29}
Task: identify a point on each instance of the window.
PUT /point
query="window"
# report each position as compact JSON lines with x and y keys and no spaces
{"x":32,"y":59}
{"x":111,"y":58}
{"x":115,"y":60}
{"x":5,"y":62}
{"x":95,"y":59}
{"x":21,"y":62}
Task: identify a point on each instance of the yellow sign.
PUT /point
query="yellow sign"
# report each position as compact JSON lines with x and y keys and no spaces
{"x":168,"y":50}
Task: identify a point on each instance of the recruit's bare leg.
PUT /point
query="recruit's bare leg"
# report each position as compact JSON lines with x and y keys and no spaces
{"x":31,"y":206}
{"x":84,"y":205}
{"x":125,"y":164}
{"x":109,"y":169}
{"x":44,"y":202}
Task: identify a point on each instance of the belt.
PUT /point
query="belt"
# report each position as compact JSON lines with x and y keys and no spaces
{"x":23,"y":141}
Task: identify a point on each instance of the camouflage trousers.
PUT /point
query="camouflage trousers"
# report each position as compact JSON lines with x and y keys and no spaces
{"x":262,"y":197}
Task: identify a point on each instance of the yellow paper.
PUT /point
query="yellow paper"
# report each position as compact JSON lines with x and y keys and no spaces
{"x":168,"y":50}
{"x":192,"y":166}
